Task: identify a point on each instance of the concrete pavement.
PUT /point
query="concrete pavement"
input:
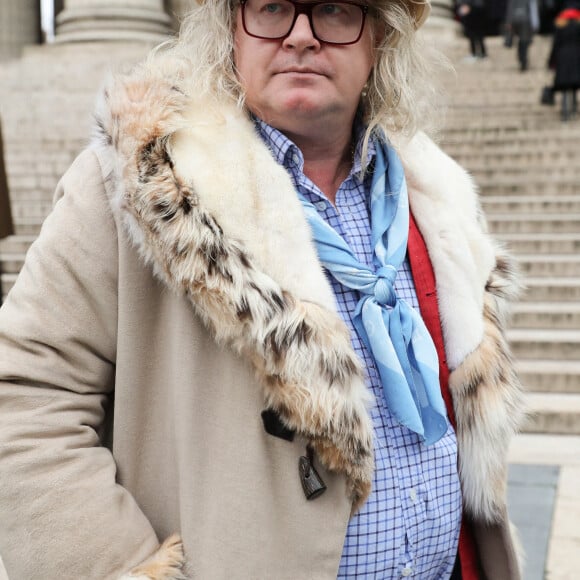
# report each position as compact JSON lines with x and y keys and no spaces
{"x":544,"y":503}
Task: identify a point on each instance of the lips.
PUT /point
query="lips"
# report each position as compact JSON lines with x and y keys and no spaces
{"x":301,"y":70}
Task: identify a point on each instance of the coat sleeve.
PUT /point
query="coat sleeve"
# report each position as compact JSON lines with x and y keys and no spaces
{"x":62,"y":514}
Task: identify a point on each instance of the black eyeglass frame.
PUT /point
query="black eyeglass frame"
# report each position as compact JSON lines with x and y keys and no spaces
{"x":307,"y":8}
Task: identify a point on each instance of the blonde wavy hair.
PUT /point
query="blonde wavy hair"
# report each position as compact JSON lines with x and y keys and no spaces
{"x":400,"y":93}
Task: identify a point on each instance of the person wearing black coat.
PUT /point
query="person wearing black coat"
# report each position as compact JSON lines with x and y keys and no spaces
{"x":472,"y":16}
{"x":565,"y":58}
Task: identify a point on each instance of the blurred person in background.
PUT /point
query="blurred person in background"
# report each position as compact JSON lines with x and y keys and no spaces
{"x":6,"y":227}
{"x":472,"y":15}
{"x":564,"y":57}
{"x":522,"y":21}
{"x":261,"y":335}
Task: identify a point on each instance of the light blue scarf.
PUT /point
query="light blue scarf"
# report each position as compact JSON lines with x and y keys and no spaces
{"x":393,"y":331}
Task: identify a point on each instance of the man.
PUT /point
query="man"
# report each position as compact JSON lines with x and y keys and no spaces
{"x":522,"y":20}
{"x":233,"y":266}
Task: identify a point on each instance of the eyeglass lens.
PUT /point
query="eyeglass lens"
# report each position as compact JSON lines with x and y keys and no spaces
{"x":333,"y":22}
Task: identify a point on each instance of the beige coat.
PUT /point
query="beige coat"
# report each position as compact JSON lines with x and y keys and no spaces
{"x":6,"y":228}
{"x":167,"y":227}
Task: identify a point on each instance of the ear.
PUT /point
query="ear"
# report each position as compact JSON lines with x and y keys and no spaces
{"x":379,"y":33}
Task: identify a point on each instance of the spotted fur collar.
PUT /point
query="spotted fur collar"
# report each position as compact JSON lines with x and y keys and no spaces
{"x":199,"y":211}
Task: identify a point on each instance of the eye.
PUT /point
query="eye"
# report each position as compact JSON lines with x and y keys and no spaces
{"x":272,"y":8}
{"x":331,"y":9}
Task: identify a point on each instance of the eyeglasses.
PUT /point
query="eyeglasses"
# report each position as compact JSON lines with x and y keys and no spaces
{"x":331,"y":22}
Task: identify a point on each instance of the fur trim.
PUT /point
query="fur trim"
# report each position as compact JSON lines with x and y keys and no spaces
{"x":486,"y":392}
{"x":444,"y":202}
{"x":300,"y":351}
{"x":167,"y":563}
{"x":488,"y":402}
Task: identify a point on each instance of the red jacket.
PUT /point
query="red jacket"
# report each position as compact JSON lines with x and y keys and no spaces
{"x":424,"y":279}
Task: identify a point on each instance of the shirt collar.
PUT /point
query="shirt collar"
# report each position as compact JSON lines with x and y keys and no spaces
{"x":289,"y":155}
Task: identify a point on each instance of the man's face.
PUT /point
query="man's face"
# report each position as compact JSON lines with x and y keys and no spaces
{"x":297,"y":81}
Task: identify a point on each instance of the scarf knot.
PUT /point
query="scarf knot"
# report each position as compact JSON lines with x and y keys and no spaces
{"x":384,"y":288}
{"x":393,"y":332}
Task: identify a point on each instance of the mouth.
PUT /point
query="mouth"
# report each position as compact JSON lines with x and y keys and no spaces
{"x":301,"y":71}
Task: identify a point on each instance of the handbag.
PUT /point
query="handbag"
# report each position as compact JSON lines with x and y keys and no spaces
{"x":547,"y":96}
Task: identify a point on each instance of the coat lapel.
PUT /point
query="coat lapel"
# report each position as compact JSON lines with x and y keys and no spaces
{"x":475,"y":281}
{"x":217,"y":220}
{"x":250,"y":195}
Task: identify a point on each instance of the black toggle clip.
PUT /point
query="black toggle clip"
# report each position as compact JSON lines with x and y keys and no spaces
{"x":312,"y":483}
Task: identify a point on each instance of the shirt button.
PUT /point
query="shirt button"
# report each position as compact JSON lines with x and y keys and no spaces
{"x":296,"y":159}
{"x":407,"y":571}
{"x":413,"y":495}
{"x":320,"y":205}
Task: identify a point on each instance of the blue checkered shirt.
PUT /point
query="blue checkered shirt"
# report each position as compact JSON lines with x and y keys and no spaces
{"x":409,"y":527}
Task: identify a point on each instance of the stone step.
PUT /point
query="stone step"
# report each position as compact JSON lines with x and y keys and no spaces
{"x":36,"y":211}
{"x":6,"y":282}
{"x":500,"y":186}
{"x":11,"y":263}
{"x":516,"y":95}
{"x":495,"y":97}
{"x":482,"y":154}
{"x":524,"y":171}
{"x":503,"y":139}
{"x":17,"y":244}
{"x":500,"y":101}
{"x":554,"y":413}
{"x":519,"y":149}
{"x":550,"y":376}
{"x":544,"y":265}
{"x":534,"y":223}
{"x":546,"y":315}
{"x":551,"y":289}
{"x":546,"y":450}
{"x":28,"y":226}
{"x":40,"y":186}
{"x":542,"y":344}
{"x":494,"y":115}
{"x":493,"y":107}
{"x":458,"y":112}
{"x":567,"y":243}
{"x":525,"y":155}
{"x":545,"y":204}
{"x":472,"y":147}
{"x":30,"y":196}
{"x":502,"y":134}
{"x":548,"y":289}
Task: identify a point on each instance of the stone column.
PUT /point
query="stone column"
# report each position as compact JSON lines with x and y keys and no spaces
{"x":19,"y":26}
{"x":97,"y":20}
{"x":177,"y":9}
{"x":441,"y":22}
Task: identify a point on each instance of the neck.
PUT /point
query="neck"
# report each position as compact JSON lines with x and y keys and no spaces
{"x":326,"y":162}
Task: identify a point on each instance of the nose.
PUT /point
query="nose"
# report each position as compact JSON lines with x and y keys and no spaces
{"x":301,"y":36}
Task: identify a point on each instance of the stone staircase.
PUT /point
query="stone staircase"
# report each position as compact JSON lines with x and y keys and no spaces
{"x":527,"y":165}
{"x":46,"y":103}
{"x":526,"y":162}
